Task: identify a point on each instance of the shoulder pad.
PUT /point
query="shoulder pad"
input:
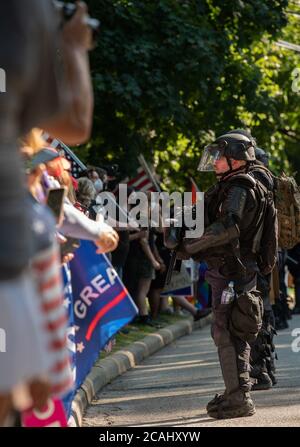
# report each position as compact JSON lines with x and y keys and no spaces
{"x":243,"y":179}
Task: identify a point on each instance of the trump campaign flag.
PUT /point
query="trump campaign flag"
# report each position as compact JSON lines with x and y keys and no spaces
{"x":101,"y":306}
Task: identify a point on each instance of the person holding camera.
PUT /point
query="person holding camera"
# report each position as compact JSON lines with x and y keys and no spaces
{"x":38,"y":93}
{"x":231,"y":247}
{"x":42,"y":90}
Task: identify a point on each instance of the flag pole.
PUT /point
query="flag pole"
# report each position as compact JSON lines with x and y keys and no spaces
{"x":71,"y":153}
{"x":84,"y":167}
{"x":144,"y":165}
{"x":48,"y":137}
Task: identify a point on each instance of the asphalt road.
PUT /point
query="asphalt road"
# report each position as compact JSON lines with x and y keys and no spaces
{"x":172,"y":388}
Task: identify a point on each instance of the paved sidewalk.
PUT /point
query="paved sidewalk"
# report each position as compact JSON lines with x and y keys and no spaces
{"x":172,"y":387}
{"x":106,"y":370}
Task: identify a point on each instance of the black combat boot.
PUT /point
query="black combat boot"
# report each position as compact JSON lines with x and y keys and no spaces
{"x":238,"y":404}
{"x":271,"y":373}
{"x":234,"y":402}
{"x":213,"y":404}
{"x":260,"y":374}
{"x":262,"y":382}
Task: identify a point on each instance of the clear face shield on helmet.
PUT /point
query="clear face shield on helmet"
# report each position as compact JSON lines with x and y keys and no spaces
{"x":210,"y":155}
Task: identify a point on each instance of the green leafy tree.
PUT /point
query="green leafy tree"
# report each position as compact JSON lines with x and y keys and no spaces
{"x":170,"y":75}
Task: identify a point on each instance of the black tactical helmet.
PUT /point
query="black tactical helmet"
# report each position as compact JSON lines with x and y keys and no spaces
{"x":262,"y":156}
{"x":244,"y":132}
{"x":237,"y":145}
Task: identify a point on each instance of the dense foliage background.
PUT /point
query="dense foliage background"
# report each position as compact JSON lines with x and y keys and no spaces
{"x":169,"y":75}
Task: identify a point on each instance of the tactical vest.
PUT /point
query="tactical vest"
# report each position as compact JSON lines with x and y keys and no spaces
{"x":253,"y":245}
{"x":269,"y":229}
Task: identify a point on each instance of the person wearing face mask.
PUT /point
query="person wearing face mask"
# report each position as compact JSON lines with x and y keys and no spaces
{"x":97,"y":203}
{"x":98,"y":185}
{"x":86,"y":194}
{"x":75,"y":224}
{"x":95,"y":176}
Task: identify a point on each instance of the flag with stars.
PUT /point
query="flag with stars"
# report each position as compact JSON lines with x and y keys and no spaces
{"x":76,"y":165}
{"x":101,"y":306}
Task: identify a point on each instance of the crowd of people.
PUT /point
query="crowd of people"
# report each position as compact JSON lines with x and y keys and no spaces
{"x":37,"y":51}
{"x":138,"y":255}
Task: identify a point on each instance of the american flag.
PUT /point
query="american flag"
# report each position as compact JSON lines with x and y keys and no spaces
{"x":144,"y":180}
{"x":76,"y":165}
{"x":141,"y":181}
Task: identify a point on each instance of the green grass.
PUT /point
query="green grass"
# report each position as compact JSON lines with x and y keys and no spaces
{"x":139,"y":331}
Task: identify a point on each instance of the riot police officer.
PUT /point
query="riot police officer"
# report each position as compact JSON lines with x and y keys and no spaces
{"x":263,"y":354}
{"x":230,"y":246}
{"x":262,"y":156}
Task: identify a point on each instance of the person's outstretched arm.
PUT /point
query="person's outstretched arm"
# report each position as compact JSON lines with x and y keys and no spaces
{"x":73,"y":125}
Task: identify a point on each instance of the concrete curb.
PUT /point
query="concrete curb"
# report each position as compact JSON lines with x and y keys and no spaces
{"x":106,"y":370}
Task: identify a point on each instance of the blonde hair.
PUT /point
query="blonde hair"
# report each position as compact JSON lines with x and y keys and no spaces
{"x":33,"y":140}
{"x":65,"y":180}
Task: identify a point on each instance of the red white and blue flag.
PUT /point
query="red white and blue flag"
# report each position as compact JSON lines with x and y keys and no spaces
{"x":99,"y":306}
{"x":141,"y":182}
{"x":145,"y":179}
{"x":64,"y":151}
